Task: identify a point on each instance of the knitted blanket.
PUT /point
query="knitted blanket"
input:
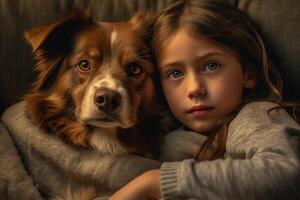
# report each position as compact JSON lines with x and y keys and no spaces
{"x":15,"y":183}
{"x":36,"y":165}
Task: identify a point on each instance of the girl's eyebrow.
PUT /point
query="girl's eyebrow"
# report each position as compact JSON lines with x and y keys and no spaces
{"x":172,"y":64}
{"x":198,"y":58}
{"x":209,"y":54}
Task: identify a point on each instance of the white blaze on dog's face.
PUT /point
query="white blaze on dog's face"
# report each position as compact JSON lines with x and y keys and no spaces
{"x":111,"y":75}
{"x":109,"y":92}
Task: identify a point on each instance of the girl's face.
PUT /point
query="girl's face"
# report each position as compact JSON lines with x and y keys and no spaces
{"x":202,"y":80}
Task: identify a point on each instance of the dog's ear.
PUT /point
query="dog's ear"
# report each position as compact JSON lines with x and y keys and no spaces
{"x":37,"y":35}
{"x":56,"y":36}
{"x":142,"y":23}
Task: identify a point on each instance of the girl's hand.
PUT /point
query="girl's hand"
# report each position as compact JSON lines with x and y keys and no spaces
{"x":144,"y":187}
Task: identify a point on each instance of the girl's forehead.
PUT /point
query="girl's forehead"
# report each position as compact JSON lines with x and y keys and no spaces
{"x":184,"y":45}
{"x":184,"y":37}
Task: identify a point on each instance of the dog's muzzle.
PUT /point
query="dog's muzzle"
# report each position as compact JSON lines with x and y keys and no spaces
{"x":106,"y":105}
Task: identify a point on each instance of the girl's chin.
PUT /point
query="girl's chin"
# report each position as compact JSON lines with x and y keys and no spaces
{"x":203,"y":127}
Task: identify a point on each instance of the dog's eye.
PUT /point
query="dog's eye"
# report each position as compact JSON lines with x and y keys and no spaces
{"x":84,"y":66}
{"x":134,"y":69}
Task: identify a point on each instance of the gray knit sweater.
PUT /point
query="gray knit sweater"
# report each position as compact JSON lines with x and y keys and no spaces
{"x":261,"y":161}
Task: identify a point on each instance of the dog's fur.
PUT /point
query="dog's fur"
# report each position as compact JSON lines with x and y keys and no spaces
{"x":95,"y":87}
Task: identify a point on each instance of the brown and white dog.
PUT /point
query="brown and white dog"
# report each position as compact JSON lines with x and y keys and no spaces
{"x":95,"y":84}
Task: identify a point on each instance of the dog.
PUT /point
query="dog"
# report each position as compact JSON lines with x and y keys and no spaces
{"x":94,"y":87}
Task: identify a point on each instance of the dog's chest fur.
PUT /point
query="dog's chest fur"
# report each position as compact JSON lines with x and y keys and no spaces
{"x":106,"y":141}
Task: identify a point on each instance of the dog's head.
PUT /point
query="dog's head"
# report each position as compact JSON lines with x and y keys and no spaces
{"x":96,"y":74}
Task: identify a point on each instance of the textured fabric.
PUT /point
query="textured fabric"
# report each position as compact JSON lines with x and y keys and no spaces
{"x":15,"y":183}
{"x":181,"y":144}
{"x":54,"y":165}
{"x":261,"y":161}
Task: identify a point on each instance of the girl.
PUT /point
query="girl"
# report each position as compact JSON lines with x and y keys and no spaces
{"x":218,"y":82}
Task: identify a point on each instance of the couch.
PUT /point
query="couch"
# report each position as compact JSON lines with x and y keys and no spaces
{"x":278,"y":21}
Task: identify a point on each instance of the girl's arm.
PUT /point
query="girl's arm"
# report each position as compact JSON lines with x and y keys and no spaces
{"x":178,"y":145}
{"x":262,"y":162}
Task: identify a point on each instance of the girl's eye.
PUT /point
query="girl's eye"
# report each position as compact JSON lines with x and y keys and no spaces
{"x":84,"y":66}
{"x":134,"y":69}
{"x":175,"y":74}
{"x":213,"y":66}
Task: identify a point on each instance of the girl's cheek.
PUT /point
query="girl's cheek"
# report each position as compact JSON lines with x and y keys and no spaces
{"x":227,"y":90}
{"x":167,"y":90}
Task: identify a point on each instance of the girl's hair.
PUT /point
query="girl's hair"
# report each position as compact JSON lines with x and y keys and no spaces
{"x":231,"y":27}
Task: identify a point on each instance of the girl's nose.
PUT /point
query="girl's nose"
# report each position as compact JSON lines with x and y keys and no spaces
{"x":196,"y":87}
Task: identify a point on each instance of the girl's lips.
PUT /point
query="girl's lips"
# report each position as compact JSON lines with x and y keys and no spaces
{"x":200,"y":110}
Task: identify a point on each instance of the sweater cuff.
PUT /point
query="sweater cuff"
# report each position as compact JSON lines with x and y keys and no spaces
{"x":169,"y":183}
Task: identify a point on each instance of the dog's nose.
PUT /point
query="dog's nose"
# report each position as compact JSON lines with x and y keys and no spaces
{"x":107,"y":100}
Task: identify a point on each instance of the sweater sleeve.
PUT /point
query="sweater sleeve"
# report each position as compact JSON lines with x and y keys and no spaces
{"x":261,"y":161}
{"x":181,"y":144}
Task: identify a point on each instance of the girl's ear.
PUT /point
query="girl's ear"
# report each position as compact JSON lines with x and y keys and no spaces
{"x":250,"y":79}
